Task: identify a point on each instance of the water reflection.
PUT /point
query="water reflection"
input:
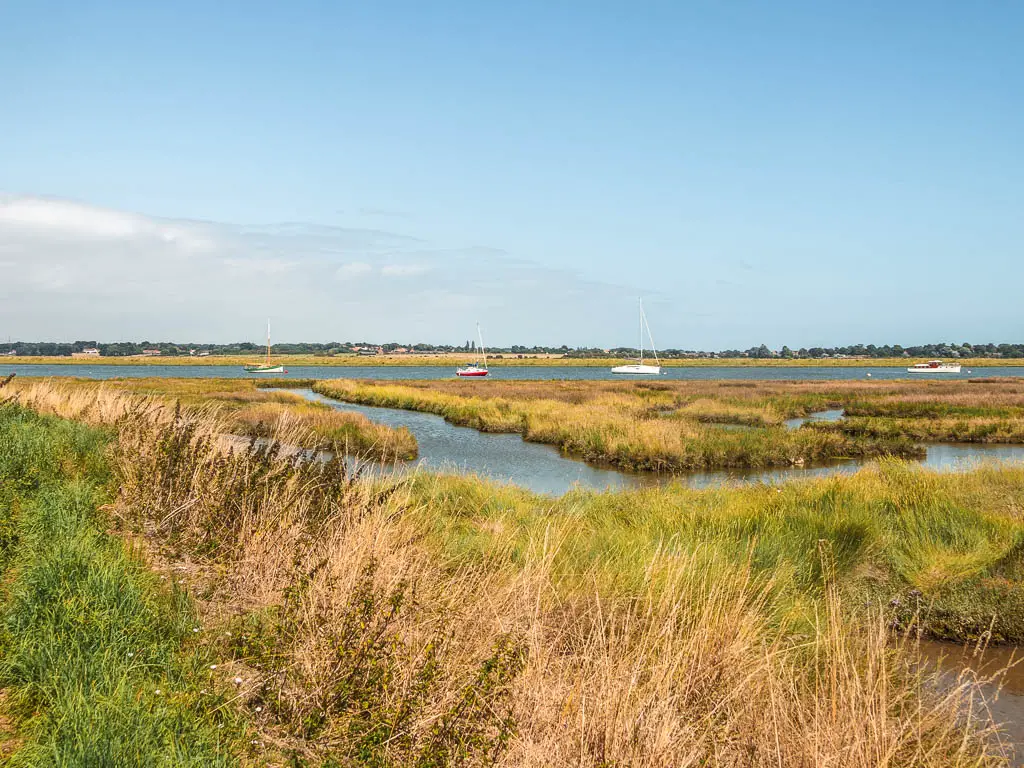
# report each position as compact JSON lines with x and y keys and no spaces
{"x":831,"y":415}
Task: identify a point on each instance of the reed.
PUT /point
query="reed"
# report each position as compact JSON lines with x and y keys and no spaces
{"x":532,"y":664}
{"x":241,"y":407}
{"x":447,"y":621}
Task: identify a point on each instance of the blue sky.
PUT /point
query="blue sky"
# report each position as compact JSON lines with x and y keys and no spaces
{"x":789,"y":173}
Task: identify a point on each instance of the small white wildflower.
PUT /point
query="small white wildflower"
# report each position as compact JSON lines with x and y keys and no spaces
{"x":157,"y":691}
{"x":130,"y":654}
{"x":259,"y":709}
{"x":195,"y":629}
{"x":238,"y":681}
{"x":213,"y":666}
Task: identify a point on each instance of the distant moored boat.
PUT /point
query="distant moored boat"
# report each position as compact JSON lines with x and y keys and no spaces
{"x":639,"y":367}
{"x":266,"y":367}
{"x":934,"y":366}
{"x":476,"y":369}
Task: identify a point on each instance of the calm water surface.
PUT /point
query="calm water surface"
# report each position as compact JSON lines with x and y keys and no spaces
{"x":1004,"y":695}
{"x":511,"y":372}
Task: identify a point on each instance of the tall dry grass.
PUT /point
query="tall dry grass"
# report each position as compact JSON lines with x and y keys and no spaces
{"x":353,"y":639}
{"x":236,"y":408}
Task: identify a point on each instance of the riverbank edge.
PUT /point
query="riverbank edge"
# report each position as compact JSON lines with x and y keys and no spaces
{"x":441,"y":361}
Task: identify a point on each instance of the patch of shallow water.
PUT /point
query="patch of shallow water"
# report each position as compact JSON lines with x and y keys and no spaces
{"x":831,"y":415}
{"x":1004,"y":692}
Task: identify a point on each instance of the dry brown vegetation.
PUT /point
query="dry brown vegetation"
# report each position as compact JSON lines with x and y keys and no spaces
{"x":250,"y":411}
{"x":355,"y":639}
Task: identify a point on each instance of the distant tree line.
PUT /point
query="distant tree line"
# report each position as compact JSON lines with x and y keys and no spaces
{"x":126,"y":348}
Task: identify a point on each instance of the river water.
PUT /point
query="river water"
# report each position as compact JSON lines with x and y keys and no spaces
{"x":1004,"y":693}
{"x":395,"y":372}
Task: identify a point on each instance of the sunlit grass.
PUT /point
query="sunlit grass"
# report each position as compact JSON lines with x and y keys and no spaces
{"x":446,"y":620}
{"x":654,"y":428}
{"x":253,"y":411}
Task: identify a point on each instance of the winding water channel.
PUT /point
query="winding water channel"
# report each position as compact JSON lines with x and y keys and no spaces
{"x":543,"y":469}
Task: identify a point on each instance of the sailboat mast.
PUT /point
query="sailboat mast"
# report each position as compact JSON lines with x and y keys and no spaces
{"x":640,"y":304}
{"x":268,"y":341}
{"x":483,"y":349}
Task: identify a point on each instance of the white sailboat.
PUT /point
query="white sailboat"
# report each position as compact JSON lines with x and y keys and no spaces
{"x":476,"y":369}
{"x":266,"y":367}
{"x":639,"y":367}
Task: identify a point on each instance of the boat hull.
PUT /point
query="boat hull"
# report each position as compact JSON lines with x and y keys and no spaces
{"x":264,"y":369}
{"x":476,"y":373}
{"x":642,"y":370}
{"x":940,"y":369}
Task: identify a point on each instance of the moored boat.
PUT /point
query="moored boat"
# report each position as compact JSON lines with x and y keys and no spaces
{"x":639,"y":368}
{"x":266,"y":367}
{"x":476,"y":369}
{"x":934,"y":366}
{"x":653,"y":370}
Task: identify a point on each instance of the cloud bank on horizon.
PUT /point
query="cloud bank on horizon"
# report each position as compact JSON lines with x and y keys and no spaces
{"x":76,"y":271}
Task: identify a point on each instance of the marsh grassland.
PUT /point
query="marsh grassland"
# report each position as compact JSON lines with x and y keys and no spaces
{"x":250,"y":411}
{"x":676,"y":426}
{"x":168,"y":598}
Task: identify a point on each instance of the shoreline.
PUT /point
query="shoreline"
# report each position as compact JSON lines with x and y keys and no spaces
{"x":441,"y":361}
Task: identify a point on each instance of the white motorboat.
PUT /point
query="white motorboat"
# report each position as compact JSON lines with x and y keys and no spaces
{"x":934,"y":366}
{"x":639,"y":368}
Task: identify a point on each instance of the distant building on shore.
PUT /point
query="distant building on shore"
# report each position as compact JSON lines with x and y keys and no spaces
{"x":87,"y":352}
{"x":151,"y":352}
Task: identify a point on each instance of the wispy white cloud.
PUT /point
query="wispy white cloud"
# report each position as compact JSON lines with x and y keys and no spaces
{"x":403,"y":270}
{"x":72,"y":270}
{"x":352,"y":271}
{"x":260,"y":266}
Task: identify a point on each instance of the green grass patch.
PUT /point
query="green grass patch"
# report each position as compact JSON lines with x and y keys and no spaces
{"x":97,"y":655}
